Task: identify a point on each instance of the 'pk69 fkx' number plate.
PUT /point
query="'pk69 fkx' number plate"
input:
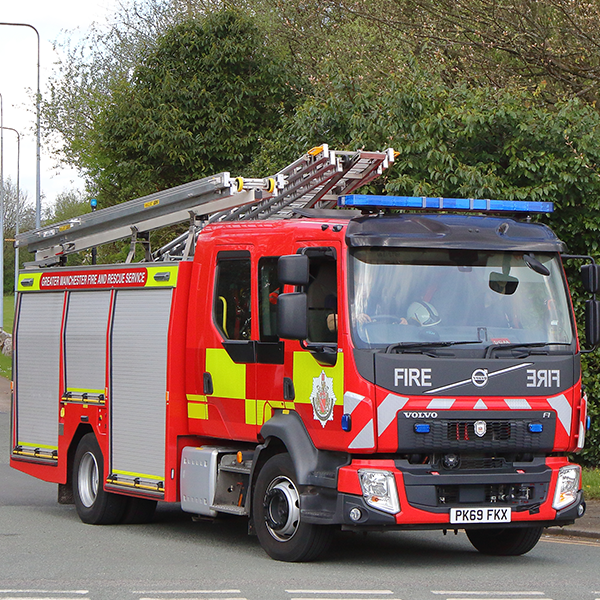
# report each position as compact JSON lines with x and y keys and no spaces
{"x":480,"y":515}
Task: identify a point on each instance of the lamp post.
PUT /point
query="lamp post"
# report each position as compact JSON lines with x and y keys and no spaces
{"x":94,"y":205}
{"x":17,"y":206}
{"x":38,"y":198}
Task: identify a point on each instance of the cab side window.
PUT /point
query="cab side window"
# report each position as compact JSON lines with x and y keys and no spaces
{"x":232,"y":305}
{"x":269,"y":290}
{"x":322,"y":300}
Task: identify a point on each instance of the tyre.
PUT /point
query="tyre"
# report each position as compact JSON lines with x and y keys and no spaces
{"x":276,"y":514}
{"x":94,"y":505}
{"x":505,"y":542}
{"x":138,"y":510}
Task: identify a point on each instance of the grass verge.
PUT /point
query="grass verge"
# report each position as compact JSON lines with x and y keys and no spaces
{"x":8,"y":318}
{"x":591,"y":484}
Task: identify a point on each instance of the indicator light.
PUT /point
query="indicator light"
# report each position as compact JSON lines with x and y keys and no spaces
{"x":536,"y":427}
{"x":346,"y":422}
{"x":422,"y":427}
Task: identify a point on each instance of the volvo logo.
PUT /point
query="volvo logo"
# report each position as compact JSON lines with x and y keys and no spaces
{"x":479,"y":377}
{"x":420,"y":415}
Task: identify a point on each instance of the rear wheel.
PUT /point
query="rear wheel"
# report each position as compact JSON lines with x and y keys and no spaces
{"x":505,"y":542}
{"x":276,"y":512}
{"x":94,"y":505}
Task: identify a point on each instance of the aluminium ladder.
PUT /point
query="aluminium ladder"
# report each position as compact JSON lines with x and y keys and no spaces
{"x":314,"y":180}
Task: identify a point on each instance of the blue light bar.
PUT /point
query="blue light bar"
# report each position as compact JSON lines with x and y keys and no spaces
{"x":368,"y":201}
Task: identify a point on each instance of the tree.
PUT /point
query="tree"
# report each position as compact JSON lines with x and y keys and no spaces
{"x":16,"y":209}
{"x":91,"y":69}
{"x":200,"y":103}
{"x":497,"y":41}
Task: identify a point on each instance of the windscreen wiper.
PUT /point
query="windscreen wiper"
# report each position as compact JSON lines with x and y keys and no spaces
{"x":402,"y":346}
{"x":489,"y":351}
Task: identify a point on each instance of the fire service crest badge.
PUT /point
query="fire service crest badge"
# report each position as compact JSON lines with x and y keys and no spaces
{"x":322,"y":398}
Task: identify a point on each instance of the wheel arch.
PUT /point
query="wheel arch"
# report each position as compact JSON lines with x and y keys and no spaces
{"x":285,"y":431}
{"x":65,"y":490}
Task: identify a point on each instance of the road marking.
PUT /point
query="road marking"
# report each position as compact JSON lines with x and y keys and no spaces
{"x":553,"y":539}
{"x":314,"y":594}
{"x":186,"y":592}
{"x":44,"y":592}
{"x":198,"y":598}
{"x":37,"y":597}
{"x":462,"y":593}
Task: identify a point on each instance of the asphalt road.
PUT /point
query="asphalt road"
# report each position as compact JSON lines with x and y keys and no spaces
{"x":46,"y":552}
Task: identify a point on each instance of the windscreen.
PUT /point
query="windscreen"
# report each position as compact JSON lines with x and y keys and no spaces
{"x":398,"y":296}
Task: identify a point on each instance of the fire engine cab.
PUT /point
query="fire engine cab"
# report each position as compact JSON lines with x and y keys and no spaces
{"x":389,"y":363}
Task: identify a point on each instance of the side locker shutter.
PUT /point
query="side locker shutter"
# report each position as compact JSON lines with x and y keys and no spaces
{"x":37,"y":374}
{"x":138,"y":387}
{"x":85,"y":343}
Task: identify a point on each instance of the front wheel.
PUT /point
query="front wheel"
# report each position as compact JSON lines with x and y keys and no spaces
{"x":94,"y":505}
{"x":276,"y":513}
{"x":505,"y":541}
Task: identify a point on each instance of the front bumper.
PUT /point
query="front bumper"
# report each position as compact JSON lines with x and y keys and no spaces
{"x":426,"y":496}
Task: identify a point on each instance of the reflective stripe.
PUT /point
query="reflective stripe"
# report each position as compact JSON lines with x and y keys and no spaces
{"x":197,"y":410}
{"x":229,"y":378}
{"x":164,"y":276}
{"x":84,"y":391}
{"x":144,"y":475}
{"x":388,"y":409}
{"x":250,"y":414}
{"x":563,"y":410}
{"x":32,"y":282}
{"x":44,"y":446}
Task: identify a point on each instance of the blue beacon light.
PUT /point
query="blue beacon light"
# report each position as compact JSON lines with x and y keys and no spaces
{"x":466,"y":204}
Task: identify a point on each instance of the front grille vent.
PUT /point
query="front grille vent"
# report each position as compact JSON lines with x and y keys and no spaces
{"x":465,"y":430}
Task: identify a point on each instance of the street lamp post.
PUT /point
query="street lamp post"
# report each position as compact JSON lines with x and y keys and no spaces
{"x":38,"y":197}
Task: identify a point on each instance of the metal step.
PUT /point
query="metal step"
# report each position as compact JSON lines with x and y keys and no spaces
{"x":232,"y":510}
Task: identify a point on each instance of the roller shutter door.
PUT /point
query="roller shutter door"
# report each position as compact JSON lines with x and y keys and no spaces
{"x":138,"y":386}
{"x":37,"y":361}
{"x":85,"y":342}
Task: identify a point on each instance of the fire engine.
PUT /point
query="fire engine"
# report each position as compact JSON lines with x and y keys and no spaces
{"x":309,"y":358}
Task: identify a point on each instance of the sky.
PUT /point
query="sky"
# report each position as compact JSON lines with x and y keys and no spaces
{"x":54,"y":19}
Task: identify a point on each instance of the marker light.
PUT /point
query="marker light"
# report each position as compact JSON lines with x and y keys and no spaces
{"x":379,"y":490}
{"x":422,"y":427}
{"x":366,"y":201}
{"x":567,"y":486}
{"x":536,"y":427}
{"x":347,"y":422}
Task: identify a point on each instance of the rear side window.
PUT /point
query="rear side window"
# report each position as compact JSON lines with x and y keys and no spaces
{"x":232,"y":305}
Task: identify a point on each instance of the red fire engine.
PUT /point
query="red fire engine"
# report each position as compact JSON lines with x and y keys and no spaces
{"x":394,"y":363}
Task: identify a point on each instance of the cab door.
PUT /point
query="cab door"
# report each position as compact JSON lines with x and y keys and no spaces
{"x":229,"y":378}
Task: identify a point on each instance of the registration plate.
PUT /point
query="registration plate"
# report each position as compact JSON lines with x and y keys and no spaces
{"x":480,"y":515}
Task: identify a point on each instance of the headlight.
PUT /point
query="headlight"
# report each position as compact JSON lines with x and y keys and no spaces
{"x":379,"y":490}
{"x":567,"y":486}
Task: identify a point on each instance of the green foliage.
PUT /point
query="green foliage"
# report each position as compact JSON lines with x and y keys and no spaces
{"x":201,"y":103}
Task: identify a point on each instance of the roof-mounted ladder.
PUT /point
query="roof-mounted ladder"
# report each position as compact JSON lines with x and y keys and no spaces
{"x":314,"y":180}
